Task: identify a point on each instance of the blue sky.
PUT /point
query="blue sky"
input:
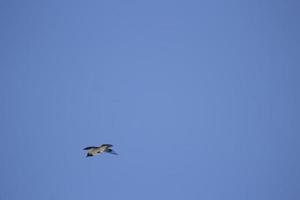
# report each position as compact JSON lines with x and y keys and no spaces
{"x":199,"y":98}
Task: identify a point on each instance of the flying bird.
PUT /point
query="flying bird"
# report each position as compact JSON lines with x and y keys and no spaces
{"x":93,"y":151}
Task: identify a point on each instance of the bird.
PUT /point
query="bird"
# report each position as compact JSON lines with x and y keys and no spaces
{"x":93,"y":151}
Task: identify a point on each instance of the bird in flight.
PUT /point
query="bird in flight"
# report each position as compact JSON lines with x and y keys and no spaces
{"x":93,"y":151}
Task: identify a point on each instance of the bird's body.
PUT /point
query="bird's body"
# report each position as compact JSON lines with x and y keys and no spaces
{"x":93,"y":151}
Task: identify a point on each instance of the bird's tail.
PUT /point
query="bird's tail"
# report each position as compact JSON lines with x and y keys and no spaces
{"x":111,"y":152}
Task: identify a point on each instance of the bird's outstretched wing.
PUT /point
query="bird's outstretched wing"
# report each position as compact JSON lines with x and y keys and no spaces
{"x":106,"y":145}
{"x":88,"y":148}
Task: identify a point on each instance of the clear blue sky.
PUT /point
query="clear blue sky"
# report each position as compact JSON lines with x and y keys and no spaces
{"x":199,"y":98}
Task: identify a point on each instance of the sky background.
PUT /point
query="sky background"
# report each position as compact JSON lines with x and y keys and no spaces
{"x":199,"y":98}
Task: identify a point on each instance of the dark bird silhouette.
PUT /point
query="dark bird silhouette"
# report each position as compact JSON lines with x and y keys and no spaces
{"x":93,"y":151}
